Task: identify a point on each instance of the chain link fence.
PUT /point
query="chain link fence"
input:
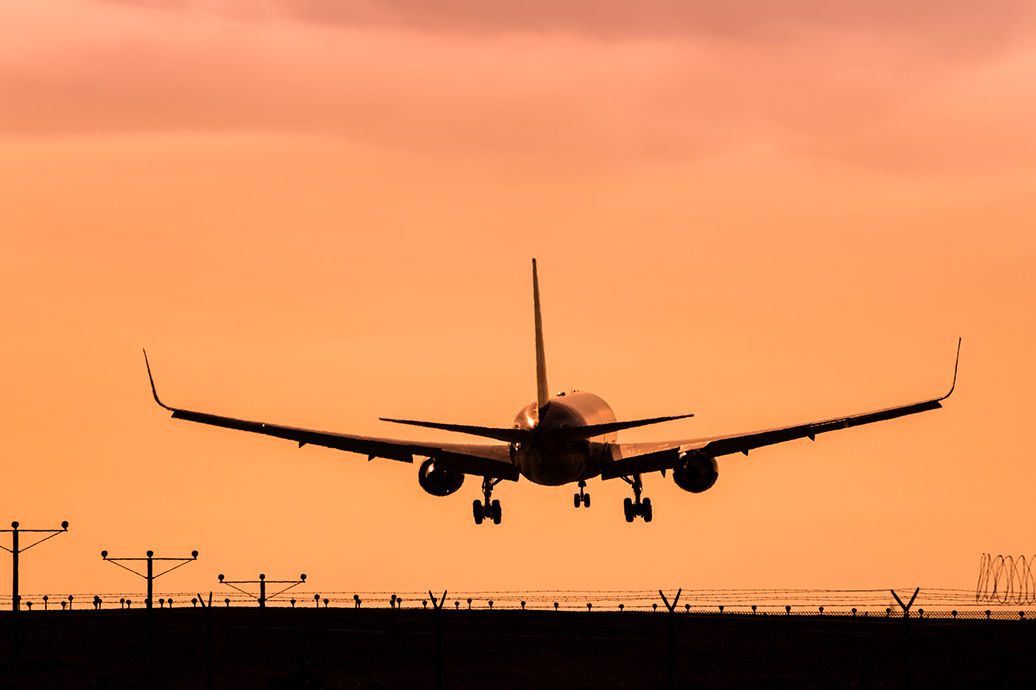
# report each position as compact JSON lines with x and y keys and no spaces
{"x":819,"y":638}
{"x":863,"y":602}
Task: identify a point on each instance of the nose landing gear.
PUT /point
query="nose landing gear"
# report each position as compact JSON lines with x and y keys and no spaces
{"x":636,"y":507}
{"x":488,"y":509}
{"x":582,"y":498}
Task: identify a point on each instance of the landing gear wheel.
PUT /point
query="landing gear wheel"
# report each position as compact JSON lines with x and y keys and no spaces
{"x":487,"y":508}
{"x":581,"y":498}
{"x":635,"y":506}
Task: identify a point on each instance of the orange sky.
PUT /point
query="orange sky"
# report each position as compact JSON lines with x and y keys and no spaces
{"x":760,"y":212}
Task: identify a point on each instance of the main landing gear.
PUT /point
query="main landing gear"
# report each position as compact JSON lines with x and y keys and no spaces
{"x":582,"y":498}
{"x":488,"y":509}
{"x":635,"y":507}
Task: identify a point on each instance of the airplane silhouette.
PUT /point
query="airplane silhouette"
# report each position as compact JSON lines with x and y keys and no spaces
{"x":570,"y":437}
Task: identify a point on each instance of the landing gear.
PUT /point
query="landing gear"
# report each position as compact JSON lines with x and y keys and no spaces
{"x":582,"y":498}
{"x":635,"y":507}
{"x":490,"y":508}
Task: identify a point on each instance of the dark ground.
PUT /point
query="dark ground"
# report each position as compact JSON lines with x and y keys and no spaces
{"x":379,"y":648}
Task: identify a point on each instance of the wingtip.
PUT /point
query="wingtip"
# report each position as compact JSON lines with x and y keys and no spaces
{"x":151,"y":379}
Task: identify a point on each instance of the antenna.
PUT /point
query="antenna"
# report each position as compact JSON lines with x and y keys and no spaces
{"x":15,"y":550}
{"x":150,"y":576}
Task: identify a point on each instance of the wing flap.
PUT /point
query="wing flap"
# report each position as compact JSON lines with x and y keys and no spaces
{"x":747,"y":442}
{"x":470,"y":464}
{"x":632,"y":458}
{"x":476,"y":459}
{"x":641,"y":464}
{"x":371,"y":447}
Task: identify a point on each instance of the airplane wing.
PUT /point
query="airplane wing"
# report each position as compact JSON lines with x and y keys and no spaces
{"x":484,"y":460}
{"x":638,"y":458}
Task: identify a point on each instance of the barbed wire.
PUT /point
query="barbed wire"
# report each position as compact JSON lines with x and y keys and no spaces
{"x":1005,"y":580}
{"x":702,"y":600}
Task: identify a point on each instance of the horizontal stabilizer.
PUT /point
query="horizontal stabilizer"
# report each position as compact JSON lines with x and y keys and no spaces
{"x":580,"y":433}
{"x":505,"y":435}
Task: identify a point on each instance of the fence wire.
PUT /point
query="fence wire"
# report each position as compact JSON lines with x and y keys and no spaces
{"x":733,"y":601}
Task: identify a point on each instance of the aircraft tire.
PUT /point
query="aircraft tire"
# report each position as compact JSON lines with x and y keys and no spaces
{"x":476,"y":508}
{"x":497,"y":513}
{"x":586,"y":500}
{"x":577,"y":501}
{"x":627,"y":508}
{"x":647,"y":509}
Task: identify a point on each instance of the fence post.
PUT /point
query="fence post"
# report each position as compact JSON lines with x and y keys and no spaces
{"x":906,"y":634}
{"x":208,"y":639}
{"x":672,"y":635}
{"x":437,"y":605}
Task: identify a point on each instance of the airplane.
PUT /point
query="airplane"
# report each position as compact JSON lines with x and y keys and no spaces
{"x":556,"y":440}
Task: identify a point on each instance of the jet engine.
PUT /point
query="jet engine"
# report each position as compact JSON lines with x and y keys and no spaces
{"x":438,"y":482}
{"x":697,"y":473}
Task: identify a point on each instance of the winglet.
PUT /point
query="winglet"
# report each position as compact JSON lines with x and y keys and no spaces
{"x":152,"y":380}
{"x":542,"y":392}
{"x":954,"y":384}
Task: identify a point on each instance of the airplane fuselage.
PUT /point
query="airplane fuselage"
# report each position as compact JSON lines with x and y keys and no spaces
{"x":550,"y":461}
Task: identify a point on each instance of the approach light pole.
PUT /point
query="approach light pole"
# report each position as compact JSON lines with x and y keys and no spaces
{"x":15,"y":550}
{"x":262,"y":582}
{"x":150,"y":576}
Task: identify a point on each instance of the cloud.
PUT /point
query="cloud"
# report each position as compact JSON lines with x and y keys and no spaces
{"x":958,"y":27}
{"x":571,"y":78}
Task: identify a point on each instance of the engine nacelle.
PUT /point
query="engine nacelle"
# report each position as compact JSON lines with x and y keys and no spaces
{"x":438,"y":482}
{"x":697,"y":473}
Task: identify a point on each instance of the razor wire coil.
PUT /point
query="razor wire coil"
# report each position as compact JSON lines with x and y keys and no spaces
{"x":1005,"y":580}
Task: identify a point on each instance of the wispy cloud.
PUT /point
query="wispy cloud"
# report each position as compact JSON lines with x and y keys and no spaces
{"x":879,"y":82}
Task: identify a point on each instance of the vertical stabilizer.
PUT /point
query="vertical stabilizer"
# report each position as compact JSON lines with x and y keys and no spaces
{"x":542,"y":392}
